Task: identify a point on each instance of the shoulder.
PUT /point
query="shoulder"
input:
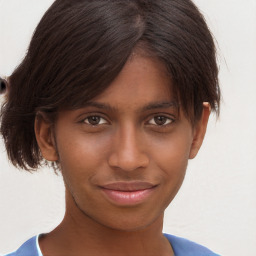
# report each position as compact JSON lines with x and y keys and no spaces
{"x":29,"y":248}
{"x":184,"y":247}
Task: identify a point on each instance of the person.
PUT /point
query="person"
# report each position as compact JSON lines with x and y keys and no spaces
{"x":115,"y":95}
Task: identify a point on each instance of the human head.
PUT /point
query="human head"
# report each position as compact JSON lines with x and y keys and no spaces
{"x":80,"y":46}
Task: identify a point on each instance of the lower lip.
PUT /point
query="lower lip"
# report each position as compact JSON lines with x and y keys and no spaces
{"x":128,"y":197}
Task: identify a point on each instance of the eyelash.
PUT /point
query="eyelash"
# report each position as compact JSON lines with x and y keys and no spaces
{"x":103,"y":121}
{"x":95,"y":116}
{"x":167,"y":119}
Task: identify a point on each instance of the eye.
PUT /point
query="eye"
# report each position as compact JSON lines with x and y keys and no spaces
{"x":94,"y":120}
{"x":160,"y":120}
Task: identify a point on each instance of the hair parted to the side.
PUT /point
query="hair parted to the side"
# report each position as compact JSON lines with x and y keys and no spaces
{"x":80,"y":46}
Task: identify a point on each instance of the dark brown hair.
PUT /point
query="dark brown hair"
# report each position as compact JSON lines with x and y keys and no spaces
{"x":80,"y":46}
{"x":3,"y":86}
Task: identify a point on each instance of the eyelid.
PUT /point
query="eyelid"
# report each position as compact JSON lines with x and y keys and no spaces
{"x":100,"y":123}
{"x":99,"y":115}
{"x":171,"y":119}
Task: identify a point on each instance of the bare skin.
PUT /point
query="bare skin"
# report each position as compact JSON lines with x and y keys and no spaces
{"x":123,"y":158}
{"x":102,"y":240}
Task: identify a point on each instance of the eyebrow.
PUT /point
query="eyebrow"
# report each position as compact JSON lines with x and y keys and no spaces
{"x":105,"y":106}
{"x":156,"y":105}
{"x":150,"y":106}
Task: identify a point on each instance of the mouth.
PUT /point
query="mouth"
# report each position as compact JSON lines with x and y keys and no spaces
{"x":128,"y":193}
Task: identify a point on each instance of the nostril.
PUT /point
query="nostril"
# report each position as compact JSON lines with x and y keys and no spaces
{"x":3,"y":85}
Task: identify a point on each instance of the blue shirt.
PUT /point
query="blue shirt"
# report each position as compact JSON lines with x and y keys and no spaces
{"x":181,"y":247}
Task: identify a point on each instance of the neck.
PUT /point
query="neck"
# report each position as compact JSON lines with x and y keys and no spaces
{"x":78,"y":234}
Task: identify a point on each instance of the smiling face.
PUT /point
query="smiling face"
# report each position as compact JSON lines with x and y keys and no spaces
{"x":123,"y":155}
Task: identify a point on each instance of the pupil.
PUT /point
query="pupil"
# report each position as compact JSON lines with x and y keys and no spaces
{"x":94,"y":120}
{"x":160,"y":120}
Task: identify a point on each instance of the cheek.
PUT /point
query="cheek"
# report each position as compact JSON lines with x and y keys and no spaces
{"x":171,"y":157}
{"x":81,"y":154}
{"x":171,"y":154}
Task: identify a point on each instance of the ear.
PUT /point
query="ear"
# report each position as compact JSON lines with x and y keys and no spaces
{"x":45,"y":137}
{"x":200,"y":130}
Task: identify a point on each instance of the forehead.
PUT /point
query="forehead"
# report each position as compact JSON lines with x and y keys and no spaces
{"x":142,"y":80}
{"x":142,"y":86}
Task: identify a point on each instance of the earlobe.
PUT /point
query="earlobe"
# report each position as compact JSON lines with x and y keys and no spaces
{"x":45,"y":137}
{"x":200,"y":130}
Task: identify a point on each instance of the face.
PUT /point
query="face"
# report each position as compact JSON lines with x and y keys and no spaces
{"x":125,"y":153}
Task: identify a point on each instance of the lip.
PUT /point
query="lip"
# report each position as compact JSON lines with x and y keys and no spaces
{"x":128,"y":193}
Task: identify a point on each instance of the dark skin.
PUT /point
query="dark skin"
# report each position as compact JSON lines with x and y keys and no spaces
{"x":123,"y":158}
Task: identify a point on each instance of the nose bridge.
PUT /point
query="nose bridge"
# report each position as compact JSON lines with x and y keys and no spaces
{"x":128,"y":151}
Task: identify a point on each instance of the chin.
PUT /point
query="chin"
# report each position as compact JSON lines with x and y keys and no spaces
{"x":129,"y":222}
{"x":127,"y":227}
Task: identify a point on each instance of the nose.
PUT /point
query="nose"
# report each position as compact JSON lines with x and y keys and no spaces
{"x":127,"y":152}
